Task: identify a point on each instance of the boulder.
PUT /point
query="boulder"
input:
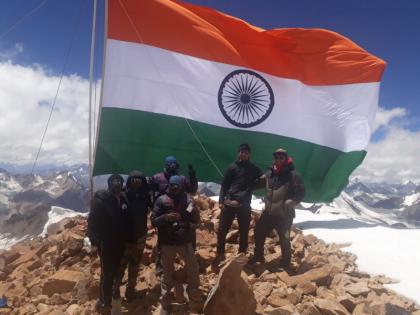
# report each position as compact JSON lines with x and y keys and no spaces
{"x":330,"y":307}
{"x":231,"y":295}
{"x":62,"y":281}
{"x":321,"y":276}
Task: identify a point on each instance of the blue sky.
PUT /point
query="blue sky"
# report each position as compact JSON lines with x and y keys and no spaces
{"x":387,"y":29}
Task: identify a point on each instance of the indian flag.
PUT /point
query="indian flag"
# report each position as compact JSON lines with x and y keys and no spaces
{"x":193,"y":82}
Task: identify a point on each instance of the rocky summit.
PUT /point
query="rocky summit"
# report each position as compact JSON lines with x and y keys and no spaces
{"x":57,"y":274}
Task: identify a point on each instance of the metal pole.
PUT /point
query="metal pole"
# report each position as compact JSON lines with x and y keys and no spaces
{"x":92,"y":53}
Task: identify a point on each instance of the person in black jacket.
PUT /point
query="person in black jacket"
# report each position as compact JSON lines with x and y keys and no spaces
{"x":138,"y":196}
{"x":235,"y":199}
{"x":284,"y":190}
{"x":174,"y":216}
{"x":107,"y":231}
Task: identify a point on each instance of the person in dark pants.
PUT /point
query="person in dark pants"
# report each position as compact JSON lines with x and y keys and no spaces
{"x":174,"y":216}
{"x":284,"y":190}
{"x":107,"y":232}
{"x":160,"y":184}
{"x":235,"y":199}
{"x":138,"y":196}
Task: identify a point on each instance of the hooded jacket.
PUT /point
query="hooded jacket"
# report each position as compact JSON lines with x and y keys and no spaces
{"x":138,"y":206}
{"x":108,"y":220}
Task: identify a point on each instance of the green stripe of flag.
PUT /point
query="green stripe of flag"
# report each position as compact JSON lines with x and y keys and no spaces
{"x":141,"y":140}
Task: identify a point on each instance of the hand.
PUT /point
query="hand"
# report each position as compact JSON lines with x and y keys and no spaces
{"x":172,"y":216}
{"x":221,"y":206}
{"x":191,"y":170}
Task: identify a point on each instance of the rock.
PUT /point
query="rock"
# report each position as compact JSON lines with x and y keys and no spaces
{"x":73,"y":309}
{"x":348,"y":302}
{"x":361,"y":309}
{"x":262,"y":290}
{"x":8,"y":257}
{"x":205,"y":257}
{"x":232,"y":236}
{"x":330,"y":307}
{"x":308,"y":309}
{"x":307,"y":288}
{"x":284,"y":310}
{"x":321,"y":276}
{"x":357,"y":289}
{"x":62,"y":281}
{"x":378,"y":308}
{"x":278,"y":298}
{"x":43,"y":307}
{"x":232,"y":294}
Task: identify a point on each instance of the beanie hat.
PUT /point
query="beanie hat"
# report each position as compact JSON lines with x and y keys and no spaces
{"x":244,"y":146}
{"x":176,"y":180}
{"x":280,"y":151}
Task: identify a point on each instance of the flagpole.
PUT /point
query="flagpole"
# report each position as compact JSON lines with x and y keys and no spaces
{"x":92,"y":53}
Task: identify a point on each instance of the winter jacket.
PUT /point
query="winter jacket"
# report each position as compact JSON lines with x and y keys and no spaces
{"x":138,"y":206}
{"x":177,"y":232}
{"x":108,"y":220}
{"x":239,"y":182}
{"x":287,"y":184}
{"x":160,"y":183}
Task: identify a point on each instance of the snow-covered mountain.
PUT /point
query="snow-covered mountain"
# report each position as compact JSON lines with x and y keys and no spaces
{"x":396,"y":205}
{"x":25,"y":200}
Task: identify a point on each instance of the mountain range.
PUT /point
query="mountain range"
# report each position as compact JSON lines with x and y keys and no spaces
{"x":26,"y":200}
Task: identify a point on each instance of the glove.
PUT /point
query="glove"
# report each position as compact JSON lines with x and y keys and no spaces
{"x":172,"y":216}
{"x":289,"y":204}
{"x":191,"y":170}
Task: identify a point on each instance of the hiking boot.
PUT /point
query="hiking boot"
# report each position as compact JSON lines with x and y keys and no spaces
{"x":255,"y":259}
{"x":100,"y":308}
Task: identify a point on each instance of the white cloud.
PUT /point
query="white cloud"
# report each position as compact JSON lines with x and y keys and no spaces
{"x":26,"y":96}
{"x":395,"y":158}
{"x":384,"y":117}
{"x":10,"y":53}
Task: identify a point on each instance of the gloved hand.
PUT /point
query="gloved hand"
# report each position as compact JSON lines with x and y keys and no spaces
{"x":290,"y":205}
{"x":191,"y":170}
{"x":172,"y":216}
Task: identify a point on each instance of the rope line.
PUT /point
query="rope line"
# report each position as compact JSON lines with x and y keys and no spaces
{"x":76,"y":28}
{"x":11,"y":28}
{"x":176,"y":102}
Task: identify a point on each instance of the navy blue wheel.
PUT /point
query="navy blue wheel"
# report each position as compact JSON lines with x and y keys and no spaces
{"x":245,"y":98}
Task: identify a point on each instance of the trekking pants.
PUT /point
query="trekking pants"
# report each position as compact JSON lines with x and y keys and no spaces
{"x":110,"y":257}
{"x":168,"y":254}
{"x":228,"y":214}
{"x":264,"y":226}
{"x":131,"y":258}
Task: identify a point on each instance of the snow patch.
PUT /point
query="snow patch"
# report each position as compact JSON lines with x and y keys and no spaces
{"x":379,"y":249}
{"x":56,"y":214}
{"x":411,"y":199}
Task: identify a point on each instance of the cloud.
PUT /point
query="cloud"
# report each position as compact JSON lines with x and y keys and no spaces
{"x":26,"y":96}
{"x":384,"y":117}
{"x":10,"y":53}
{"x":395,"y":158}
